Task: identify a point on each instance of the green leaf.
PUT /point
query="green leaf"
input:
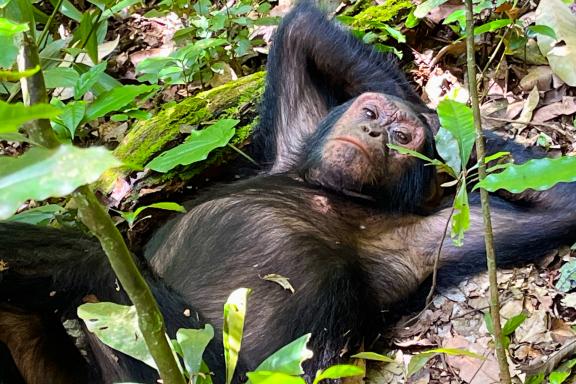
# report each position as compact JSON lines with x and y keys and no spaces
{"x":61,"y":77}
{"x":193,"y":342}
{"x":234,"y":315}
{"x":513,"y":323}
{"x":495,"y":156}
{"x":448,"y":148}
{"x":338,"y":372}
{"x":37,"y":216}
{"x":72,"y":115}
{"x":537,"y":174}
{"x":374,"y":357}
{"x":12,"y":116}
{"x":558,"y":377}
{"x":11,"y":28}
{"x":492,"y":26}
{"x":543,"y":30}
{"x":41,"y":173}
{"x":266,"y":377}
{"x":116,"y":326}
{"x":130,"y":217}
{"x":424,"y":8}
{"x":567,"y":280}
{"x":196,"y":147}
{"x":458,"y":119}
{"x":418,"y":361}
{"x":535,"y":379}
{"x":86,"y":34}
{"x":116,"y":99}
{"x":488,"y":322}
{"x":557,"y":16}
{"x":289,"y":358}
{"x":9,"y":51}
{"x":406,"y":151}
{"x":458,"y":16}
{"x":17,"y":75}
{"x":461,"y":217}
{"x":396,"y":34}
{"x":88,"y":79}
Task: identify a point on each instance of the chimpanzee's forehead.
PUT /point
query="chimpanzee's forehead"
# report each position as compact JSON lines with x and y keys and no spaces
{"x":390,"y":103}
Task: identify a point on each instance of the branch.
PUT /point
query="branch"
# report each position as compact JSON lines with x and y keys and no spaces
{"x":488,"y":234}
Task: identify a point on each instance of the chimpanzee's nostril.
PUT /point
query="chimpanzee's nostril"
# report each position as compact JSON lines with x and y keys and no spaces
{"x":365,"y":129}
{"x":374,"y":133}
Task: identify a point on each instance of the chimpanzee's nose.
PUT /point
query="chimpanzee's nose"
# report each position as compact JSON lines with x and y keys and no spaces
{"x":373,"y":131}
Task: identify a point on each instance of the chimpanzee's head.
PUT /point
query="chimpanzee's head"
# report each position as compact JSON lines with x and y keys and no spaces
{"x":349,"y":152}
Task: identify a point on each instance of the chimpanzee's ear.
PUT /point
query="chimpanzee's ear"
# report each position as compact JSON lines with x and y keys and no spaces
{"x":432,"y":120}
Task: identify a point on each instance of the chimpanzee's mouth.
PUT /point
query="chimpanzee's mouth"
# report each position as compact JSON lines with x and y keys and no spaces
{"x":355,"y":142}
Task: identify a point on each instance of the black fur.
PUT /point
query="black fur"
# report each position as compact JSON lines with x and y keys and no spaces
{"x":348,"y":259}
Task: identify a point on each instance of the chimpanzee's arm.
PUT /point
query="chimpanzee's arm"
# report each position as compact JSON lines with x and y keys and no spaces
{"x":313,"y":66}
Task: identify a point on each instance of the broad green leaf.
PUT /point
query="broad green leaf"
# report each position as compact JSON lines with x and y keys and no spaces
{"x":72,"y":115}
{"x":458,"y":16}
{"x":538,"y":174}
{"x":69,"y":10}
{"x":557,"y":16}
{"x":16,"y":75}
{"x":338,"y":372}
{"x":458,"y":119}
{"x":543,"y":30}
{"x":11,"y":28}
{"x":266,"y":377}
{"x":289,"y":358}
{"x":558,"y":377}
{"x":418,"y":361}
{"x":396,"y":34}
{"x":193,"y":342}
{"x":60,"y":77}
{"x":406,"y":151}
{"x":535,"y":379}
{"x":88,"y":79}
{"x":41,"y":173}
{"x":9,"y":51}
{"x":115,"y":100}
{"x":488,"y":322}
{"x":461,"y":216}
{"x":196,"y":147}
{"x":374,"y":357}
{"x":86,"y":34}
{"x":567,"y":280}
{"x":448,"y":148}
{"x":131,"y":217}
{"x":234,"y":315}
{"x":492,"y":26}
{"x":513,"y":323}
{"x":424,"y":8}
{"x":37,"y":216}
{"x":117,"y":326}
{"x":12,"y":116}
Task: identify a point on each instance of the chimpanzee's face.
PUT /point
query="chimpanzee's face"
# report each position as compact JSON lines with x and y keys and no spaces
{"x":351,"y":148}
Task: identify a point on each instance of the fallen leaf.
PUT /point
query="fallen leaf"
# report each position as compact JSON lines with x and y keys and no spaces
{"x":529,"y":105}
{"x":566,"y":107}
{"x":561,"y":53}
{"x":539,"y":77}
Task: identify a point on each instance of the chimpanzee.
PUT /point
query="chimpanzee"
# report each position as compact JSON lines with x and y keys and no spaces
{"x":348,"y":221}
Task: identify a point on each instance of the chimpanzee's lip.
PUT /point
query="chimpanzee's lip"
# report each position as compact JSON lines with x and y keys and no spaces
{"x":355,"y":142}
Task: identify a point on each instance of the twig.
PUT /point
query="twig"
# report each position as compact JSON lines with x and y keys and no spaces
{"x":488,"y":234}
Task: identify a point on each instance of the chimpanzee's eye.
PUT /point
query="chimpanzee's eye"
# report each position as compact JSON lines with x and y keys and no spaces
{"x":370,"y":113}
{"x":401,"y":137}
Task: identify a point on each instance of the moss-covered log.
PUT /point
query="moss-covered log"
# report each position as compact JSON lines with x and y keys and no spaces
{"x":237,"y":100}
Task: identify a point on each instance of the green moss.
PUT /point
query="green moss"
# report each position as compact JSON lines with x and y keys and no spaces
{"x":150,"y":137}
{"x":381,"y":13}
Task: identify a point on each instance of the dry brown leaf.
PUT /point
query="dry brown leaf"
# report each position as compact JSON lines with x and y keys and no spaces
{"x":472,"y":370}
{"x":540,"y":77}
{"x":533,"y":328}
{"x":565,"y":107}
{"x":529,"y":105}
